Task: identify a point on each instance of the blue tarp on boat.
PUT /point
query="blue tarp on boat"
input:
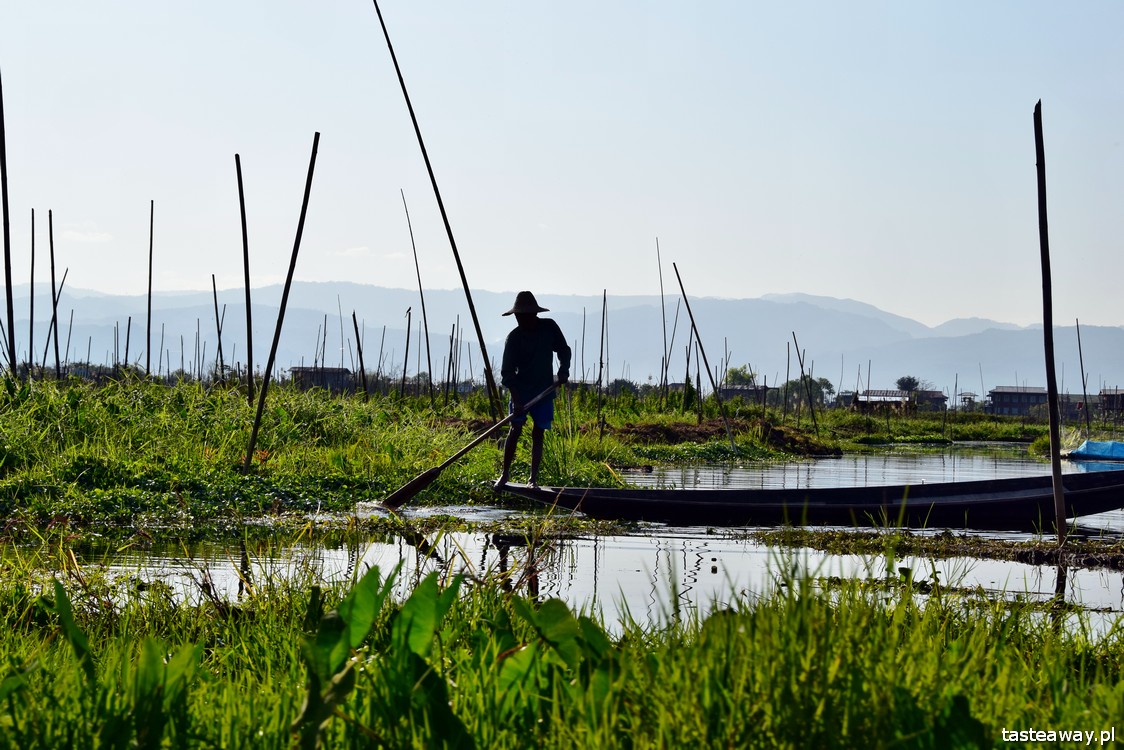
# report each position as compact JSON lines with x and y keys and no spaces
{"x":1098,"y":450}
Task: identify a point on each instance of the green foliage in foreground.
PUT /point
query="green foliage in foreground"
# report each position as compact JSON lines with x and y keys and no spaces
{"x":461,"y":664}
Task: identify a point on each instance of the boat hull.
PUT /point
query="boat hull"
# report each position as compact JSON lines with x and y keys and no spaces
{"x":1024,"y":503}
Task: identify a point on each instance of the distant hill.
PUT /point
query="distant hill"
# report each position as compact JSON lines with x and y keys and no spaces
{"x":845,"y":341}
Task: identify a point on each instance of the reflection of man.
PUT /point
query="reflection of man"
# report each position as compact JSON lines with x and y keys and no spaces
{"x":527,"y":371}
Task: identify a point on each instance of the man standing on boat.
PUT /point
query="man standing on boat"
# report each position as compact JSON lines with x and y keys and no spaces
{"x":527,"y":371}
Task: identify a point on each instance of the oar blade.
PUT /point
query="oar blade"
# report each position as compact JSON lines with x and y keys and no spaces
{"x":406,"y":492}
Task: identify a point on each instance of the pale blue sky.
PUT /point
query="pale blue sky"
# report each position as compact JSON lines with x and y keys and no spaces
{"x":882,"y":152}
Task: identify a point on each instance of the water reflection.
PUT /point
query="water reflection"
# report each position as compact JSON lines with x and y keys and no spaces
{"x":651,"y":578}
{"x":656,"y":575}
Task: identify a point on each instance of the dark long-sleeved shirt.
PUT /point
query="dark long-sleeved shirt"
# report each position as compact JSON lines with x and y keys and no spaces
{"x":528,"y":362}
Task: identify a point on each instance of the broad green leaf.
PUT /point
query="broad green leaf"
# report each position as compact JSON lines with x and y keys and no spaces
{"x":420,"y":617}
{"x":361,"y":607}
{"x":73,"y":634}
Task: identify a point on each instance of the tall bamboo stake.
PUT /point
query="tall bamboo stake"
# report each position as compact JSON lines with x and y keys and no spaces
{"x":54,"y":292}
{"x":148,"y":325}
{"x":1084,"y":384}
{"x":339,"y":308}
{"x":50,"y":332}
{"x":421,"y":295}
{"x":406,"y":356}
{"x":359,"y":351}
{"x":665,"y":355}
{"x":601,"y":364}
{"x":1048,"y":330}
{"x":493,"y":391}
{"x":702,"y":350}
{"x":69,"y":330}
{"x":807,"y":383}
{"x":31,"y":299}
{"x":11,"y":328}
{"x":246,"y":269}
{"x":281,"y":311}
{"x":218,"y":326}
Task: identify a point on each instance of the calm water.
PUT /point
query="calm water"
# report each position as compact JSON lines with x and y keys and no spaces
{"x":658,"y":572}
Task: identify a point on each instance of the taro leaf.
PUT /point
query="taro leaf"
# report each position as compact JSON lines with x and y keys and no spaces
{"x":556,"y":626}
{"x":363,"y":603}
{"x":597,"y":643}
{"x":328,"y":651}
{"x":430,"y":694}
{"x":420,"y":617}
{"x":516,"y":666}
{"x":180,"y":673}
{"x":73,"y":634}
{"x":149,"y":718}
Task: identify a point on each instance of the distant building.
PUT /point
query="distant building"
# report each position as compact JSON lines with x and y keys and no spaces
{"x":1015,"y":400}
{"x":1112,"y":400}
{"x":752,"y":394}
{"x":331,"y":379}
{"x":898,"y":400}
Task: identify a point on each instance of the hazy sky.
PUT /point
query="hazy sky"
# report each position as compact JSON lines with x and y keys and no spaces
{"x":882,"y":152}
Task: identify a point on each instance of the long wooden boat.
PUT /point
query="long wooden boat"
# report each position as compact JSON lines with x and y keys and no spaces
{"x":1023,"y":503}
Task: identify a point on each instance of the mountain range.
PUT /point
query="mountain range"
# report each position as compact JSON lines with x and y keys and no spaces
{"x":852,"y":344}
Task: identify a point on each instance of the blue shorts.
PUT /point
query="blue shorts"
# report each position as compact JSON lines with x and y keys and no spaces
{"x":542,"y":413}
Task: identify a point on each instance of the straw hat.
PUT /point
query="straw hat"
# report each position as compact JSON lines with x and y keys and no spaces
{"x":525,"y":303}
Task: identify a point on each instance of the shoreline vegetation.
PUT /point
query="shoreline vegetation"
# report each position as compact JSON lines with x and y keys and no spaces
{"x":131,"y":452}
{"x":97,"y":661}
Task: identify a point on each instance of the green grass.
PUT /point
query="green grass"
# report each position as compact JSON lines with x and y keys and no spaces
{"x":92,"y":662}
{"x":132,"y":452}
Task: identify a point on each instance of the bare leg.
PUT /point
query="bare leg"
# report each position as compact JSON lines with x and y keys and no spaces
{"x":509,"y":452}
{"x":537,"y":435}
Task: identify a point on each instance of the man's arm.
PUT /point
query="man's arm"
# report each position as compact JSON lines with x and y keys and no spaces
{"x":562,"y":349}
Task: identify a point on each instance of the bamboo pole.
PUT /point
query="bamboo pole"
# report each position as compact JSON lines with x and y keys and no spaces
{"x":406,"y":356}
{"x":601,"y":364}
{"x":281,"y":311}
{"x":69,"y":330}
{"x":218,"y":326}
{"x":128,"y":337}
{"x":665,"y":355}
{"x":50,"y":331}
{"x":359,"y":351}
{"x":31,"y":299}
{"x":807,"y":384}
{"x":702,"y":351}
{"x":1048,"y":329}
{"x":1084,"y":384}
{"x":421,"y":295}
{"x":11,"y":329}
{"x":246,"y":270}
{"x":54,"y":293}
{"x":148,"y":325}
{"x":493,"y":391}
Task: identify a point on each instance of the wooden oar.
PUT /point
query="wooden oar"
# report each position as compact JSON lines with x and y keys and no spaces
{"x":406,"y":492}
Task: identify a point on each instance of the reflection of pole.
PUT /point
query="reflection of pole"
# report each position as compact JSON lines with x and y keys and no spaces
{"x":1057,"y":612}
{"x":1048,"y":329}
